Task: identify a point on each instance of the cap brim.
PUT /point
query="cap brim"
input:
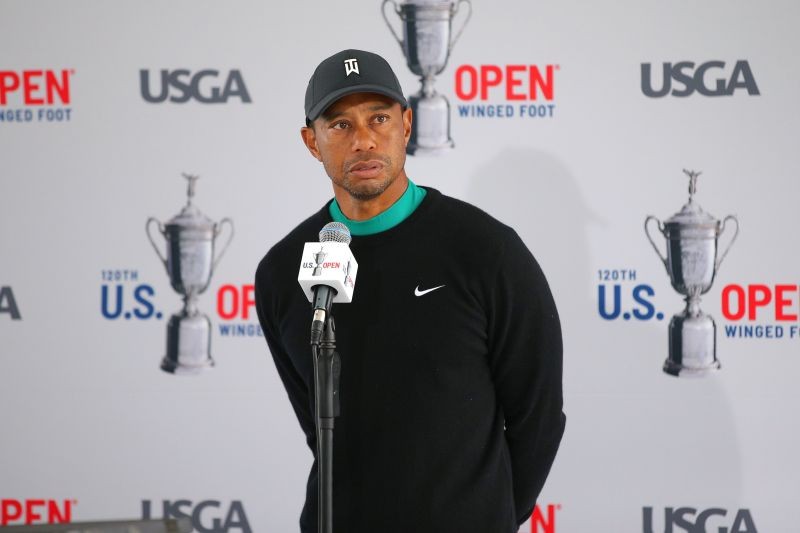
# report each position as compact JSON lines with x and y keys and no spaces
{"x":323,"y":104}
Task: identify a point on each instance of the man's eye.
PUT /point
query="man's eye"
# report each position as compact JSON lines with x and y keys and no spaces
{"x":339,"y":125}
{"x":382,"y":118}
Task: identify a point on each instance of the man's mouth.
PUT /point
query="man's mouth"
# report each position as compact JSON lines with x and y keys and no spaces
{"x":367,"y":169}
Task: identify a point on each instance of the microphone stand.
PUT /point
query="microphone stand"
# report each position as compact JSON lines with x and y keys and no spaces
{"x":327,"y":368}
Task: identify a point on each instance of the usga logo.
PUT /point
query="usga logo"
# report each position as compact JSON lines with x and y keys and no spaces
{"x":707,"y":79}
{"x":8,"y":304}
{"x":691,"y":520}
{"x":526,"y":91}
{"x":33,"y":511}
{"x":35,"y":95}
{"x":208,"y":516}
{"x":205,"y":86}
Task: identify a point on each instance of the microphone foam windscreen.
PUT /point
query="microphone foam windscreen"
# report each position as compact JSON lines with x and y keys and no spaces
{"x":334,"y":232}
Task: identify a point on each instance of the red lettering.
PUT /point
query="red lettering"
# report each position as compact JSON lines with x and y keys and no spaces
{"x":54,"y":514}
{"x":537,"y":520}
{"x":512,"y":82}
{"x":29,"y":86}
{"x":540,"y":81}
{"x":9,"y":82}
{"x":782,"y":302}
{"x":473,"y":82}
{"x":231,"y":301}
{"x":757,"y":296}
{"x":32,"y":86}
{"x":54,"y":87}
{"x":248,"y":300}
{"x":10,"y":510}
{"x":30,"y":513}
{"x":545,"y":85}
{"x":234,"y":307}
{"x":726,"y":302}
{"x":487,"y":81}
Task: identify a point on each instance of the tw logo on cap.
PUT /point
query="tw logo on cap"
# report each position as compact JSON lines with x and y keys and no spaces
{"x":350,"y":66}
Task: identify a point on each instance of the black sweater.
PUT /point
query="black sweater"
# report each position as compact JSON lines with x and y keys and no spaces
{"x":451,"y":402}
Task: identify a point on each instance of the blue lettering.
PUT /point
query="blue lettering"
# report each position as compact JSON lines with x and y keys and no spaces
{"x":104,"y":302}
{"x":638,"y":298}
{"x":240,"y":330}
{"x":16,"y":115}
{"x":138,"y":295}
{"x":601,"y":302}
{"x":757,"y":331}
{"x":484,"y":110}
{"x":533,"y":110}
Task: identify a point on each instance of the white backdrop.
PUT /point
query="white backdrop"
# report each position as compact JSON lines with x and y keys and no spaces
{"x":92,"y":424}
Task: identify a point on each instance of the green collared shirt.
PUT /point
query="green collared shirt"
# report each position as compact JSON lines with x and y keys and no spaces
{"x":397,"y":212}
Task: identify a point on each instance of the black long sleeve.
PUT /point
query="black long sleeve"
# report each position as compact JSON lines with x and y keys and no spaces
{"x":451,"y":401}
{"x":526,"y":368}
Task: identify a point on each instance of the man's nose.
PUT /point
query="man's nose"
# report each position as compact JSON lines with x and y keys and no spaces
{"x":363,"y":138}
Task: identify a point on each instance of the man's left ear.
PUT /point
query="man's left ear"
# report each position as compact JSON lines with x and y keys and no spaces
{"x":407,"y":119}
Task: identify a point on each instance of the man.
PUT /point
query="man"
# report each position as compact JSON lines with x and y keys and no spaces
{"x":451,"y":402}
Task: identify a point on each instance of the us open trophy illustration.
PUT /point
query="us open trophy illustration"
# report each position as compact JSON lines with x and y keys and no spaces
{"x":319,"y":257}
{"x":190,"y":262}
{"x":426,"y":43}
{"x":692,"y":237}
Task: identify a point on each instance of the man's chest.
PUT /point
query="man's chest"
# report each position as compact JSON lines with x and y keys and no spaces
{"x":425,"y":312}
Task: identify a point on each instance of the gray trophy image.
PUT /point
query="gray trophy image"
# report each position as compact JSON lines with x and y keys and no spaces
{"x":319,"y":257}
{"x":190,"y":262}
{"x":427,"y":44}
{"x":692,"y":261}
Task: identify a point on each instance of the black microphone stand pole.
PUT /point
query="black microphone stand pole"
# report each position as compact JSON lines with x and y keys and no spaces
{"x":327,"y":368}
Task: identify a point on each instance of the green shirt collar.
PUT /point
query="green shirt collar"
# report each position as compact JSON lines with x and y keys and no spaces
{"x":397,"y":212}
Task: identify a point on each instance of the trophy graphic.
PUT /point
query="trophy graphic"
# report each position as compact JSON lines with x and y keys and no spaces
{"x":348,"y":278}
{"x":691,"y":262}
{"x":427,"y":45}
{"x":190,"y":262}
{"x":319,"y":257}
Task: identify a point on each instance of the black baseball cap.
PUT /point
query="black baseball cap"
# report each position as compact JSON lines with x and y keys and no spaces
{"x":347,"y":72}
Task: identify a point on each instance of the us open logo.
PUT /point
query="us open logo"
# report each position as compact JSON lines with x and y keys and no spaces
{"x":761,"y":310}
{"x":36,"y":95}
{"x":506,"y":91}
{"x":35,"y":511}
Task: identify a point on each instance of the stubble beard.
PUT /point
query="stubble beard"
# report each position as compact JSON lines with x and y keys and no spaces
{"x":369,"y":189}
{"x":365,"y":191}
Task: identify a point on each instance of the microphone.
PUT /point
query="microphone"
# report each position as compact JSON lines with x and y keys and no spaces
{"x":327,"y":274}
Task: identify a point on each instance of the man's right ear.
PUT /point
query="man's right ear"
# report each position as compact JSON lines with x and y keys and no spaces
{"x":310,"y":140}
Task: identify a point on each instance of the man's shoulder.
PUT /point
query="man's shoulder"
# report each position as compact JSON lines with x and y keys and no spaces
{"x":471,"y":221}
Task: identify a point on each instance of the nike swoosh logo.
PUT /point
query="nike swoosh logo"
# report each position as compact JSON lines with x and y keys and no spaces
{"x":418,"y":292}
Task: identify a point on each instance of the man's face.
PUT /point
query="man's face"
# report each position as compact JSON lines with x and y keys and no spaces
{"x":361,"y":141}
